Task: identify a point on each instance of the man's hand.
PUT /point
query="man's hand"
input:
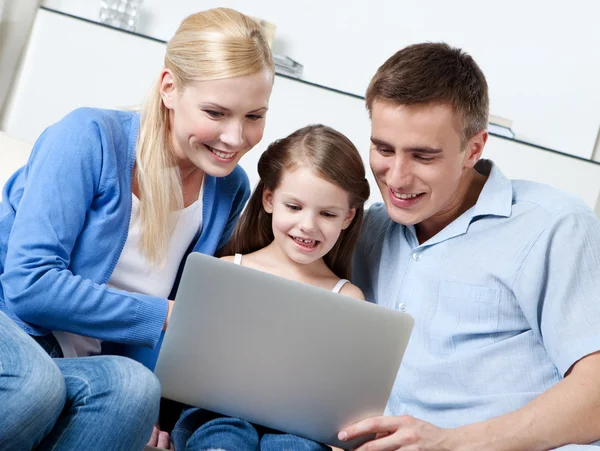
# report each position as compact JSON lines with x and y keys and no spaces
{"x":393,"y":433}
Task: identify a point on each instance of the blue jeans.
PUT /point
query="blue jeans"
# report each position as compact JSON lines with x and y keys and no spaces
{"x":104,"y":403}
{"x":199,"y":430}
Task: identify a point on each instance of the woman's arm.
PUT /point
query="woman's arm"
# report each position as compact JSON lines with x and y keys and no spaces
{"x":62,"y":181}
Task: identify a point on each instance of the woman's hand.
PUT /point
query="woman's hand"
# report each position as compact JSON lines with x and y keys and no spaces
{"x":171,"y":303}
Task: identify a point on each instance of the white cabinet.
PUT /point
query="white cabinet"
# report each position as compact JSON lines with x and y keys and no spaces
{"x":70,"y":63}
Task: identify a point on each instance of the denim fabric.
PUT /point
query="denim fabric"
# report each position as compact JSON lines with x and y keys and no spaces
{"x":200,"y":430}
{"x":32,"y":389}
{"x":104,"y":403}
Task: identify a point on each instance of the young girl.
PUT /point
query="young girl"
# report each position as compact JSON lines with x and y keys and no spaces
{"x":301,"y":223}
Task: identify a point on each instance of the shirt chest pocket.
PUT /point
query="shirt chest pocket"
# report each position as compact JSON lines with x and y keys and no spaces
{"x":465,"y":318}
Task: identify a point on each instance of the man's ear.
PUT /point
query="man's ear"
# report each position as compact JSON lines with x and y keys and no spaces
{"x":167,"y":88}
{"x":474,"y":149}
{"x":267,"y":200}
{"x":349,"y":217}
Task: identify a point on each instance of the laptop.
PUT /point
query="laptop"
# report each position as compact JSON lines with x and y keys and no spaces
{"x":279,"y":353}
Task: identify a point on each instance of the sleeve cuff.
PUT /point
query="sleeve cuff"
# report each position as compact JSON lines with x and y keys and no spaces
{"x":568,"y":355}
{"x":150,"y":319}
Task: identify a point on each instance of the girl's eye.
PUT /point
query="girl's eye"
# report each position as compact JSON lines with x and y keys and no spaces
{"x":328,"y":215}
{"x":214,"y":114}
{"x":254,"y":117}
{"x":293,"y":207}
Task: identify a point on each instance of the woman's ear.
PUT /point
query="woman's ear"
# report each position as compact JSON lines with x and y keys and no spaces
{"x":349,"y":217}
{"x":267,"y":200}
{"x":167,"y":88}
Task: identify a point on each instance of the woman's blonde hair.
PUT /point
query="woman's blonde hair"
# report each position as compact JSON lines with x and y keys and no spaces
{"x":209,"y":45}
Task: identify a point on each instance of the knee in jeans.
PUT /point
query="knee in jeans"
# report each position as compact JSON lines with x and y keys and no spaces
{"x":44,"y":384}
{"x":224,"y":433}
{"x":133,"y":381}
{"x":35,"y":398}
{"x":279,"y":441}
{"x":232,"y":424}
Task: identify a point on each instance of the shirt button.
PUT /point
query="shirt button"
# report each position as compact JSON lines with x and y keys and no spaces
{"x":402,"y":307}
{"x":416,"y":256}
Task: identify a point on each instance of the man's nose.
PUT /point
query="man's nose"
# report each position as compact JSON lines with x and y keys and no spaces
{"x":400,"y":173}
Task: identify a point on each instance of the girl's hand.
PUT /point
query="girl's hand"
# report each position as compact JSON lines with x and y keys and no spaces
{"x":160,"y":439}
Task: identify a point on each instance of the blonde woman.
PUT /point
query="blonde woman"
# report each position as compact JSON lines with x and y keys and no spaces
{"x":93,"y":230}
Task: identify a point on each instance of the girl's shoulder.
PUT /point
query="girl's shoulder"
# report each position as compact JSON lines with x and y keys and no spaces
{"x":229,"y":258}
{"x":352,"y":290}
{"x":257,"y":260}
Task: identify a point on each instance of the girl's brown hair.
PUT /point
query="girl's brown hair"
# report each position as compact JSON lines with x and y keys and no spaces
{"x":334,"y":158}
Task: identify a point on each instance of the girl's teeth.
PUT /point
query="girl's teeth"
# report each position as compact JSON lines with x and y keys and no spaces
{"x":307,"y":242}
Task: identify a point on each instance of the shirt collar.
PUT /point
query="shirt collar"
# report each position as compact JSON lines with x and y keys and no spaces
{"x":495,"y":199}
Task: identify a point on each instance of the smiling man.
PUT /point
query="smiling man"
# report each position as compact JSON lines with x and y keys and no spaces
{"x":502,"y":277}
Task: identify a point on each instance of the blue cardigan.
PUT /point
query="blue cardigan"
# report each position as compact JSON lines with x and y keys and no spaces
{"x":64,"y":219}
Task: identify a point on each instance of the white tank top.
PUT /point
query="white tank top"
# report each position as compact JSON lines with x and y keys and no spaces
{"x":133,"y":273}
{"x":338,"y":286}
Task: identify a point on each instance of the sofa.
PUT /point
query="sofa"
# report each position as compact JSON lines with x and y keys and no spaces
{"x":13,"y":155}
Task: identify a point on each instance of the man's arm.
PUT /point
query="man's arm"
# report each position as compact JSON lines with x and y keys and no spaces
{"x":557,"y":287}
{"x":567,"y":413}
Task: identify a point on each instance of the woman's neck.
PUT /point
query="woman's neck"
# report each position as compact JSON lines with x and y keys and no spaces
{"x":191,"y":181}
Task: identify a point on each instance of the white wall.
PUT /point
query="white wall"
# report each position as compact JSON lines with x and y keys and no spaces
{"x":110,"y":69}
{"x":540,"y":57}
{"x":16,"y":19}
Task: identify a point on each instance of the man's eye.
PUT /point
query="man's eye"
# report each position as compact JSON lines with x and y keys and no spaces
{"x":422,"y":158}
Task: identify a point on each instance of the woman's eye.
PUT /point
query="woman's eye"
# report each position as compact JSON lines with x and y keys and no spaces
{"x":254,"y":117}
{"x":215,"y":114}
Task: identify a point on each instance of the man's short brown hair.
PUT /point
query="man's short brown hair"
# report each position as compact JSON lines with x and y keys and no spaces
{"x":434,"y":73}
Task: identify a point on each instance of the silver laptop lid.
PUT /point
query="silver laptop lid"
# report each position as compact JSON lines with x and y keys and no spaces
{"x":279,"y":353}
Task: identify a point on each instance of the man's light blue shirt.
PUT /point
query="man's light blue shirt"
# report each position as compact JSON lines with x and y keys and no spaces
{"x":505,"y":299}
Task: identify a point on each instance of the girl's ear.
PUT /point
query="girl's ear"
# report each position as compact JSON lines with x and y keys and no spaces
{"x":267,"y":200}
{"x":349,"y":218}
